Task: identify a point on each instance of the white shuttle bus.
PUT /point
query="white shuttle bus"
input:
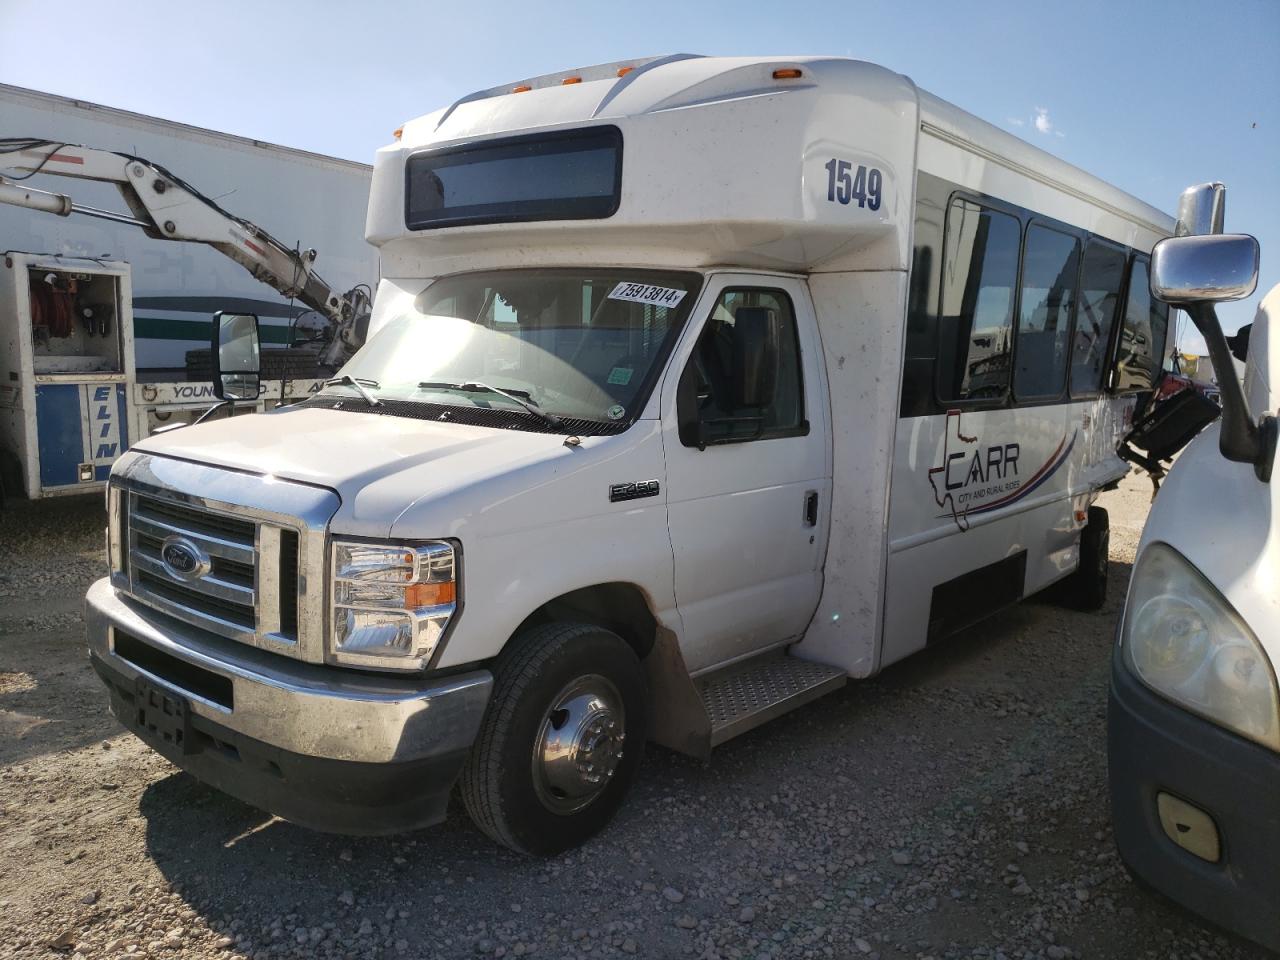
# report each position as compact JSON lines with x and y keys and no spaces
{"x":694,"y":387}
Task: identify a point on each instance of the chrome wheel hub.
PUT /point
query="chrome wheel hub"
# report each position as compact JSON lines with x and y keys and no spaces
{"x":579,"y":745}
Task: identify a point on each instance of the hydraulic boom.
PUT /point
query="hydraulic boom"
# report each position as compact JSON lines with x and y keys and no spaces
{"x":167,"y":208}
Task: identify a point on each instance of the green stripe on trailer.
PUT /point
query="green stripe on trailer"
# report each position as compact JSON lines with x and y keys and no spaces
{"x":159,"y":328}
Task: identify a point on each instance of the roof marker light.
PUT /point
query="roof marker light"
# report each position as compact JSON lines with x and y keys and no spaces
{"x":623,"y":71}
{"x":398,"y":132}
{"x":568,"y":80}
{"x":791,"y":73}
{"x":523,"y":88}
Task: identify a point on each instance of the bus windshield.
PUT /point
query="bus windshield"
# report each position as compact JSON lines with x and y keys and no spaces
{"x":584,"y":344}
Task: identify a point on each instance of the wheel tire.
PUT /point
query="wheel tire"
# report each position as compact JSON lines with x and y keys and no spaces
{"x":1087,"y":587}
{"x":505,"y":783}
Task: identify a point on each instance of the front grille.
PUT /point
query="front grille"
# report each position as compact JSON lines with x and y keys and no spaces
{"x":230,"y":570}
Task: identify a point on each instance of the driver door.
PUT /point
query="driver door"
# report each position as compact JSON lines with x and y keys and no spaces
{"x":748,"y":488}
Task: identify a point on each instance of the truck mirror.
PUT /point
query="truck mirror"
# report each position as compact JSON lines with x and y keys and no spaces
{"x":1204,"y":268}
{"x":1201,"y":210}
{"x":756,"y":336}
{"x":236,"y":356}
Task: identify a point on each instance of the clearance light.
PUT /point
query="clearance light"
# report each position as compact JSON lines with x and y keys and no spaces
{"x":791,"y":73}
{"x":523,"y":88}
{"x":398,"y":132}
{"x":623,"y":71}
{"x":568,"y":80}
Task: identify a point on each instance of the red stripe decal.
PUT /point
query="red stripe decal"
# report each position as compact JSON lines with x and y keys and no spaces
{"x":61,"y":157}
{"x":256,"y":249}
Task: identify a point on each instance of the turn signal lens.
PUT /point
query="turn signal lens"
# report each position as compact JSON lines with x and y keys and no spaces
{"x":623,"y":71}
{"x":568,"y":80}
{"x":430,"y":594}
{"x":523,"y":88}
{"x":788,"y":74}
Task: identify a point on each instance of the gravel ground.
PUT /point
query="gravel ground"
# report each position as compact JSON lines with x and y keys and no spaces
{"x":955,"y":806}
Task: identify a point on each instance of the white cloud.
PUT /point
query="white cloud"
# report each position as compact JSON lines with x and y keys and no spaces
{"x":1041,"y":120}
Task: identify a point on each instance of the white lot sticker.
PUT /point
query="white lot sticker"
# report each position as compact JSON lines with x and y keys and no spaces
{"x":645,"y":293}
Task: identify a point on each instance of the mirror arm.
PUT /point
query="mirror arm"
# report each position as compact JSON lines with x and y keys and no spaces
{"x":228,"y":402}
{"x":1241,"y":440}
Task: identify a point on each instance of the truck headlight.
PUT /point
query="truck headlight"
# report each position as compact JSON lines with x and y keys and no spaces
{"x":391,"y":603}
{"x":1184,"y":641}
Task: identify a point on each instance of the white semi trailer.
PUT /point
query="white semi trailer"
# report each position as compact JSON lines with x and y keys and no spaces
{"x":152,"y":300}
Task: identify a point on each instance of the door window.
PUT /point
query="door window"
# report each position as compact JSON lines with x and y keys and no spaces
{"x":1049,"y":265}
{"x":710,"y":394}
{"x":1101,"y":277}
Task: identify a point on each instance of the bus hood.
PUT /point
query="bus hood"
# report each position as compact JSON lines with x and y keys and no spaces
{"x":379,"y":465}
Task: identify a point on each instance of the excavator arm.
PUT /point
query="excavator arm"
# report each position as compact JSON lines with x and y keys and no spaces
{"x":165,"y":207}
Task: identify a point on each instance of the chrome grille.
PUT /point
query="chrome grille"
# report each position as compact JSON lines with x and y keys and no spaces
{"x":261,"y":542}
{"x":224,"y":599}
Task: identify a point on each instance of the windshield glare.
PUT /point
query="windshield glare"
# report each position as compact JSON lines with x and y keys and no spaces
{"x":577,"y":343}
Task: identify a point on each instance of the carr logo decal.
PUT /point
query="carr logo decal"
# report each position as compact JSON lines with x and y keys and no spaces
{"x":976,"y":478}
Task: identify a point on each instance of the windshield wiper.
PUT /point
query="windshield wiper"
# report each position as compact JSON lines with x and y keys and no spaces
{"x":475,"y":386}
{"x":358,"y":385}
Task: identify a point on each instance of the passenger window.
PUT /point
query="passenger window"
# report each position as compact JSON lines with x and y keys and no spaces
{"x":1101,"y":276}
{"x":712,"y":402}
{"x":979,"y":274}
{"x":1049,"y":265}
{"x":1146,"y":324}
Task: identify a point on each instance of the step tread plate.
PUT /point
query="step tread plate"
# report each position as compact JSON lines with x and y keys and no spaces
{"x":743,"y":697}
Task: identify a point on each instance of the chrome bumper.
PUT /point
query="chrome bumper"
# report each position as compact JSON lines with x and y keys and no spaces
{"x":304,"y":709}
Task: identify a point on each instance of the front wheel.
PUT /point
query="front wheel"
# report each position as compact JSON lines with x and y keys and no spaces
{"x":560,"y":741}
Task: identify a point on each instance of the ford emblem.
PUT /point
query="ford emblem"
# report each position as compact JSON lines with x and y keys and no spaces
{"x":182,"y":559}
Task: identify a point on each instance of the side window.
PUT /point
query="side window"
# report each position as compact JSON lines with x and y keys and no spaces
{"x":1142,"y":337}
{"x":975,"y":325}
{"x":1101,"y":276}
{"x":712,"y":394}
{"x":1049,"y":266}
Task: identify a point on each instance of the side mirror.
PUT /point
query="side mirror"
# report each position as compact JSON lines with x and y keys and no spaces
{"x":1202,"y":210}
{"x":1204,"y":268}
{"x":756,"y":336}
{"x":236,"y":356}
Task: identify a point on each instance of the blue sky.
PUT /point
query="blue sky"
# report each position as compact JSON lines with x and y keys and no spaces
{"x":1152,"y":95}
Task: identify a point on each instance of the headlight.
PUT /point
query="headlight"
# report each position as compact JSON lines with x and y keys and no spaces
{"x":391,"y":604}
{"x":1183,"y":640}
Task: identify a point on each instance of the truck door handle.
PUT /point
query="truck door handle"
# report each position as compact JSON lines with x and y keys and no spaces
{"x":811,"y":508}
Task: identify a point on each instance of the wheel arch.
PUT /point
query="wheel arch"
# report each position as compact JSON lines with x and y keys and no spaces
{"x":618,"y":606}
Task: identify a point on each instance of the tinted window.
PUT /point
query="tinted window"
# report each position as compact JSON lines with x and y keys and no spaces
{"x":1049,"y":265}
{"x":979,"y":274}
{"x":1146,"y":323}
{"x":568,"y":176}
{"x":711,"y":367}
{"x":1101,"y":276}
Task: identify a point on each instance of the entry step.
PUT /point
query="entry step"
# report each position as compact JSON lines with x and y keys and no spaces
{"x":743,"y":696}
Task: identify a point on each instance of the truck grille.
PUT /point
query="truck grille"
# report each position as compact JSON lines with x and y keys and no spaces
{"x":235,"y":576}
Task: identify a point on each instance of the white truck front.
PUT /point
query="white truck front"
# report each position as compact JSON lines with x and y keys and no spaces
{"x":1194,"y":715}
{"x":464,"y":561}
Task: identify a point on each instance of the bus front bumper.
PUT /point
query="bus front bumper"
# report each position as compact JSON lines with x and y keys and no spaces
{"x":1157,"y":748}
{"x":331,"y":749}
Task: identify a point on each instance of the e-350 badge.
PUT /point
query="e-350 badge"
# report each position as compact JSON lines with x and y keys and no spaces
{"x":632,"y":491}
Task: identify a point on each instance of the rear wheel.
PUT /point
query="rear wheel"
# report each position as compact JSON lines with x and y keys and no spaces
{"x":561,"y":740}
{"x":1086,"y":589}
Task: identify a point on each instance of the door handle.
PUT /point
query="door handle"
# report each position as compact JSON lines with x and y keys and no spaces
{"x":811,"y":508}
